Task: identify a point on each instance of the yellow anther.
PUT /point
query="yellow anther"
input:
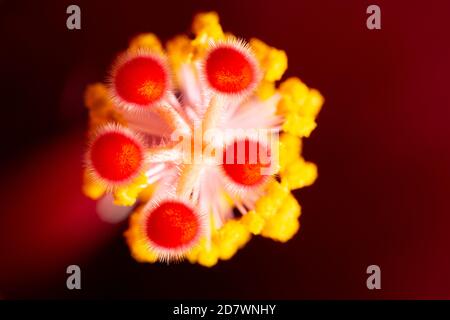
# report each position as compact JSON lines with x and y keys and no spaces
{"x":299,"y":125}
{"x":136,"y":241}
{"x":289,"y":149}
{"x":284,"y":224}
{"x":141,"y":252}
{"x":101,"y":109}
{"x":313,"y":103}
{"x":227,"y":249}
{"x":298,"y":98}
{"x":259,"y":48}
{"x":253,"y":222}
{"x":266,"y":207}
{"x":91,"y":188}
{"x":286,"y":106}
{"x":276,"y":64}
{"x":148,"y":41}
{"x":280,"y":229}
{"x":265,"y":90}
{"x":277,"y":192}
{"x":234,"y":231}
{"x":96,"y":96}
{"x":290,"y":209}
{"x":272,"y":61}
{"x":205,"y":254}
{"x":146,"y":194}
{"x":207,"y":23}
{"x":127,"y":195}
{"x":208,"y":257}
{"x":192,"y":255}
{"x":232,"y":236}
{"x":295,"y":89}
{"x":299,"y":174}
{"x":180,"y":50}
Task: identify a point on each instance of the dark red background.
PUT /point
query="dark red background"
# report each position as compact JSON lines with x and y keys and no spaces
{"x":382,"y":147}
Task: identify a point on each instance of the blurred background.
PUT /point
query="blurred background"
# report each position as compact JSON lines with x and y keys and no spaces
{"x":382,"y":147}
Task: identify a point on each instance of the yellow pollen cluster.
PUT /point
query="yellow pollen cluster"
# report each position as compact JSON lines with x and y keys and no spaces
{"x":273,"y":62}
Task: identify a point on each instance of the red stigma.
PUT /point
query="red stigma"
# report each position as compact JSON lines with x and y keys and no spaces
{"x":141,"y":80}
{"x":172,"y":225}
{"x":115,"y":156}
{"x":242,"y":168}
{"x":229,"y":70}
